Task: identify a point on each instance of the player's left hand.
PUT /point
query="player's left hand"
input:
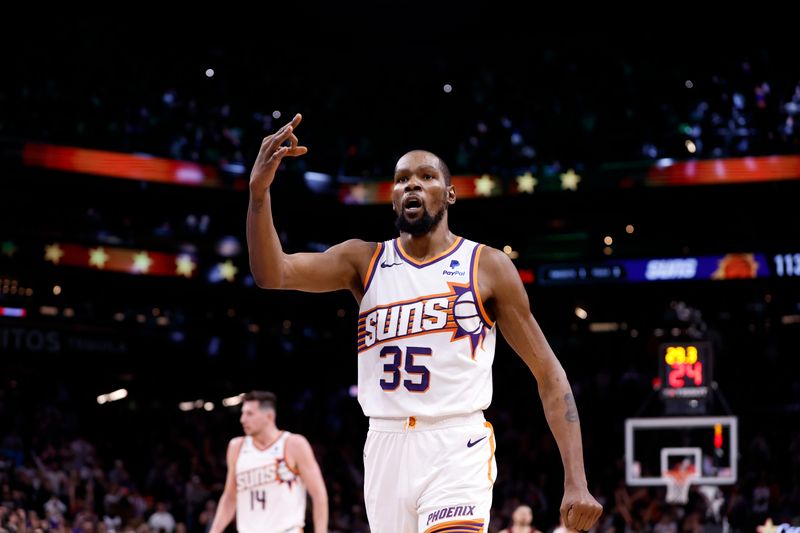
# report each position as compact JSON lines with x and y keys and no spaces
{"x":579,"y":509}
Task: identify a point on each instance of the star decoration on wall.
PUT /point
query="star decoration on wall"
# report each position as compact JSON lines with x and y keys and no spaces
{"x":569,"y":180}
{"x":767,"y":527}
{"x":142,"y":262}
{"x":53,"y":253}
{"x":484,"y":185}
{"x":184,"y":266}
{"x":227,"y":270}
{"x":98,"y":257}
{"x":526,"y":183}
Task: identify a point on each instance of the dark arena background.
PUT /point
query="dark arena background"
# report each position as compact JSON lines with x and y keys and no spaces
{"x":645,"y":187}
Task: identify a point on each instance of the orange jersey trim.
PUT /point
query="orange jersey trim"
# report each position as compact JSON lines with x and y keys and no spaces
{"x":484,"y":315}
{"x":491,"y":447}
{"x":457,"y":525}
{"x":372,"y":263}
{"x":431,"y":260}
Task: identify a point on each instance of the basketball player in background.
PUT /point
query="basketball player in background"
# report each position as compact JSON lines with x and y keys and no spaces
{"x":269,"y":471}
{"x":521,"y":521}
{"x":430,"y":303}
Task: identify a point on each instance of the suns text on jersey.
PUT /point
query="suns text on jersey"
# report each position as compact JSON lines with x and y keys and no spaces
{"x":406,"y":319}
{"x":269,"y":473}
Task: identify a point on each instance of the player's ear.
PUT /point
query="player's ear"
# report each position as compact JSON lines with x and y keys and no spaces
{"x":451,"y":194}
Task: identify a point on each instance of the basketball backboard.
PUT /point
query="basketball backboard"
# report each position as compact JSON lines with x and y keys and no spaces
{"x":706,"y":444}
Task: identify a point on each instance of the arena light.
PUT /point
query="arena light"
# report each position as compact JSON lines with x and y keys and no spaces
{"x":603,"y":327}
{"x":233,"y":400}
{"x":118,"y":394}
{"x":233,"y":168}
{"x":195,"y":404}
{"x":318,"y":182}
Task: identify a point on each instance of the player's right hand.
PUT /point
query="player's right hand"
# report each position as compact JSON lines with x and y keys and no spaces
{"x":272,"y":151}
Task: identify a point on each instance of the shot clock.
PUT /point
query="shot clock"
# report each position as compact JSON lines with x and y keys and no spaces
{"x":685,"y":372}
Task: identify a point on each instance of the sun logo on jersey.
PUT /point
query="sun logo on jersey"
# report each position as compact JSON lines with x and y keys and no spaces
{"x":456,"y":311}
{"x":284,"y":473}
{"x":467,"y":318}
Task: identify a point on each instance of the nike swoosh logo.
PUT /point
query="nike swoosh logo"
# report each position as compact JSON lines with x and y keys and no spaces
{"x":470,"y":444}
{"x":389,"y":265}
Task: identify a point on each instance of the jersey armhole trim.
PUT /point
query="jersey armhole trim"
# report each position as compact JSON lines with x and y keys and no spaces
{"x":371,"y":268}
{"x":476,"y":290}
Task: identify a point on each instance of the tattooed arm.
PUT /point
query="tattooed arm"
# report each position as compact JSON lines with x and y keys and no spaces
{"x":502,"y":292}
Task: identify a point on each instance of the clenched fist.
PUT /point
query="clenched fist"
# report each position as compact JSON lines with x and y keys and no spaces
{"x":579,"y":509}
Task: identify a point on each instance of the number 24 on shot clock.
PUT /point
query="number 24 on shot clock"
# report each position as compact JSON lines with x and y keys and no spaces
{"x":684,"y":364}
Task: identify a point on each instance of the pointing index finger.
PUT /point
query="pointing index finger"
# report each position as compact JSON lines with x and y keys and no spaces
{"x":296,"y":120}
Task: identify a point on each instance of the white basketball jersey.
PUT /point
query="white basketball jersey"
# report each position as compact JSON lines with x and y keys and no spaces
{"x":425,"y":343}
{"x":270,"y":497}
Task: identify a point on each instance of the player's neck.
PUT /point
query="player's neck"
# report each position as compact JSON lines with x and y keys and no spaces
{"x":266,"y":437}
{"x":428,"y":245}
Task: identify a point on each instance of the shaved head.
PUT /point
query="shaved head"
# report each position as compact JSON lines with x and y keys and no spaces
{"x":439,"y":162}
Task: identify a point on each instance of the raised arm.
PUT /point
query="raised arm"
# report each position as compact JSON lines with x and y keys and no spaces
{"x":299,"y":453}
{"x":340,"y":267}
{"x":226,"y":509}
{"x":504,"y":294}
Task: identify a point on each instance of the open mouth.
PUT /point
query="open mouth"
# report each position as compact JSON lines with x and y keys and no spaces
{"x":413,"y":204}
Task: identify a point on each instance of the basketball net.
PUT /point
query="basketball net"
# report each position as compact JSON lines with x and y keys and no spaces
{"x":678,"y":483}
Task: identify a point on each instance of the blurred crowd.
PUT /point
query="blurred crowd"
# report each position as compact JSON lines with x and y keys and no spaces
{"x":549,"y":107}
{"x":69,"y":466}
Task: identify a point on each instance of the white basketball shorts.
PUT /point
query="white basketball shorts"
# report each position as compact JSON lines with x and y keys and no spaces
{"x":429,"y":475}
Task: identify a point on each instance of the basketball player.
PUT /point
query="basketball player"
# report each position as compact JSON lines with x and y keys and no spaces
{"x":430,"y":304}
{"x":521,"y":521}
{"x":269,"y":471}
